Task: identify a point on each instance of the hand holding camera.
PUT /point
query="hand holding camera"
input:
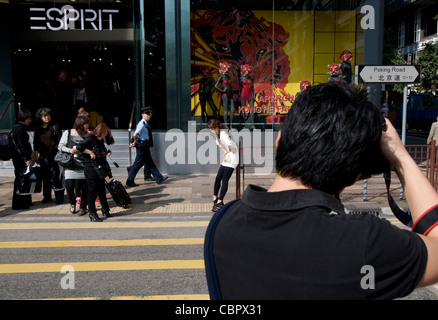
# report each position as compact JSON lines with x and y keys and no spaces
{"x":392,"y":147}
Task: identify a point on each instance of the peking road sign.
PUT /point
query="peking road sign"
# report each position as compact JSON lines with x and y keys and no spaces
{"x":389,"y":74}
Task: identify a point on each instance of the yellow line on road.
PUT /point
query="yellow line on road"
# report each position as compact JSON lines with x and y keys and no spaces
{"x":100,"y":243}
{"x":101,"y":225}
{"x":101,"y":266}
{"x":394,"y":220}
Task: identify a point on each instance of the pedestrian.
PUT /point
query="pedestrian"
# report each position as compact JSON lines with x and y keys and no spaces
{"x":230,"y":161}
{"x":21,"y":157}
{"x":142,"y":140}
{"x":45,"y":144}
{"x":75,"y":183}
{"x":295,"y":240}
{"x":96,"y":168}
{"x":433,"y":133}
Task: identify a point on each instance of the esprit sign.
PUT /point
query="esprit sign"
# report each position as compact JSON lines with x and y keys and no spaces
{"x":69,"y":18}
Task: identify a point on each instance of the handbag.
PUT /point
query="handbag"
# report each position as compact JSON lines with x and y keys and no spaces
{"x":64,"y":159}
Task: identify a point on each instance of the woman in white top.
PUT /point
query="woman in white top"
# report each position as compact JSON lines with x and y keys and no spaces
{"x":230,"y":161}
{"x":75,"y":183}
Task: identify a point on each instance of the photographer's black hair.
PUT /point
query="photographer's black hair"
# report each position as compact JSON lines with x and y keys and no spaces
{"x":330,"y":137}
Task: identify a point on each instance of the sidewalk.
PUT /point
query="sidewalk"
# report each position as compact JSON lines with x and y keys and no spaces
{"x":190,"y":196}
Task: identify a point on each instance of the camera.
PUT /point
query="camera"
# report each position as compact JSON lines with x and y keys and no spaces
{"x":379,"y":164}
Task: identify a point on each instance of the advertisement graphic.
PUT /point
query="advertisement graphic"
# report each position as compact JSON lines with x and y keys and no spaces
{"x":282,"y":48}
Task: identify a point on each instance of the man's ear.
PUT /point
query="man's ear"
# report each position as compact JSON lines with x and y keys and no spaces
{"x":277,"y":142}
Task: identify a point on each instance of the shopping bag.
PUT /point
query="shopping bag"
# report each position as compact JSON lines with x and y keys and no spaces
{"x":30,"y":181}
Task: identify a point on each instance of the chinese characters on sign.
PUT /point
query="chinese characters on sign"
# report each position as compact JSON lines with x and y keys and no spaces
{"x":388,"y":74}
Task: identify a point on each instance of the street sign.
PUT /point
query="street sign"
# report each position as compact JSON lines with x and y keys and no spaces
{"x":390,"y":74}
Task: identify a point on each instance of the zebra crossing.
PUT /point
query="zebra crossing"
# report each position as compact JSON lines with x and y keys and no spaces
{"x":119,"y":259}
{"x":122,"y":258}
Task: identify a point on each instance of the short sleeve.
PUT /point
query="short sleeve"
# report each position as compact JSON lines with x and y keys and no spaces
{"x":139,"y":127}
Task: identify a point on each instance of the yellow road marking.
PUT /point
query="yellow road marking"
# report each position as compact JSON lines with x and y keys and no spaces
{"x":101,"y":266}
{"x":99,"y":243}
{"x":394,"y":220}
{"x":101,"y":225}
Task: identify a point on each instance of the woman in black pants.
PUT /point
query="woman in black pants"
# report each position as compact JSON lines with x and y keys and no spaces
{"x":75,"y":183}
{"x":230,"y":161}
{"x":96,"y":168}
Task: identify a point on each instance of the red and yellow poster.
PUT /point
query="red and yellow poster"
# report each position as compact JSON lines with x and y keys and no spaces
{"x":284,"y":48}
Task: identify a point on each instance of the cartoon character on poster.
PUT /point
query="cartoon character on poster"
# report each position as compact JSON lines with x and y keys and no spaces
{"x":241,"y":37}
{"x":223,"y":85}
{"x":345,"y":66}
{"x":247,"y":93}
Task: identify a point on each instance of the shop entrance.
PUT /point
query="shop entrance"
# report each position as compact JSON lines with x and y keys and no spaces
{"x":67,"y":76}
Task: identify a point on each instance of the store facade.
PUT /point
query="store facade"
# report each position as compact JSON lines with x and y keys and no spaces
{"x":168,"y":54}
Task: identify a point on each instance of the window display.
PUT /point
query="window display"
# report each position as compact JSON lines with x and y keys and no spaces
{"x":282,"y":48}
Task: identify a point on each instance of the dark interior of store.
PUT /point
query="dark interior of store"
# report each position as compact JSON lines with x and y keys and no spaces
{"x":49,"y":65}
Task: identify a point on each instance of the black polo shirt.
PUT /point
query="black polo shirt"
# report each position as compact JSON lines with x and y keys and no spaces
{"x":300,"y":244}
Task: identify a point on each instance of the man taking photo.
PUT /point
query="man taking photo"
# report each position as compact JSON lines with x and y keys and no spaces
{"x":295,"y":241}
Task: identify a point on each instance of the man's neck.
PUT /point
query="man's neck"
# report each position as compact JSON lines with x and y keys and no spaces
{"x":283,"y":184}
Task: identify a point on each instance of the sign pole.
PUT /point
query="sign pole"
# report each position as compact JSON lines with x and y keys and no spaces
{"x":405,"y":108}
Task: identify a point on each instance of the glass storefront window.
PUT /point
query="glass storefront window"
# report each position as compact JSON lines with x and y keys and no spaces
{"x":169,"y":56}
{"x":63,"y":47}
{"x":285,"y":45}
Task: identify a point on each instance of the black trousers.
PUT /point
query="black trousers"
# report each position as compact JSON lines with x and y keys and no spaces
{"x":222,"y":177}
{"x":47,"y":184}
{"x":77,"y":188}
{"x":19,"y":201}
{"x":96,"y":188}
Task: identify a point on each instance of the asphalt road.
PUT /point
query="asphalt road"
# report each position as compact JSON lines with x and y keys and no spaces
{"x":121,"y":258}
{"x":138,"y":258}
{"x":126,"y":257}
